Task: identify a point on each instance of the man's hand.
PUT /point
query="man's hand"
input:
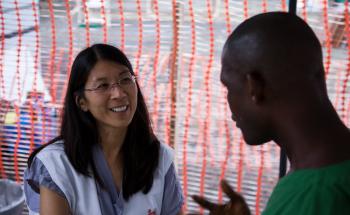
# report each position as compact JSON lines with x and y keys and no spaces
{"x":236,"y":205}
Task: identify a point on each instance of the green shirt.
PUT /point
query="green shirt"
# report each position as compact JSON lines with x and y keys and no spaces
{"x":312,"y":192}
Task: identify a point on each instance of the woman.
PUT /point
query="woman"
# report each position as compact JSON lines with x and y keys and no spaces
{"x":106,"y":159}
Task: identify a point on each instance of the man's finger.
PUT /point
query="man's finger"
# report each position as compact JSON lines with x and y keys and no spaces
{"x":203,"y":202}
{"x":234,"y":196}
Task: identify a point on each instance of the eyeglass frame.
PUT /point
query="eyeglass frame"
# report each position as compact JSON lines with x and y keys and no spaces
{"x":111,"y":86}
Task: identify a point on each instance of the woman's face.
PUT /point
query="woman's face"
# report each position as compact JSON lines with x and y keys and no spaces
{"x":110,"y":95}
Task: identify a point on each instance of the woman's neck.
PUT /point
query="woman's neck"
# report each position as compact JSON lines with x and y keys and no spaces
{"x":111,"y":142}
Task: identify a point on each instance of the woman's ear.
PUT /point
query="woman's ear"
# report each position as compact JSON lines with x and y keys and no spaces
{"x":81,"y":103}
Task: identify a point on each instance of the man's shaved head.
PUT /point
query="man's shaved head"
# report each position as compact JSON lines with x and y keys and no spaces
{"x":273,"y":72}
{"x":272,"y":68}
{"x":279,"y":45}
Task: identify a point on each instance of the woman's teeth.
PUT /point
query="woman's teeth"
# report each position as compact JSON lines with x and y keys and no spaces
{"x":119,"y":109}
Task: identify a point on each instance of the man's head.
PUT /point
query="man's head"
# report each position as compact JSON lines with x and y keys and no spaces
{"x":270,"y":63}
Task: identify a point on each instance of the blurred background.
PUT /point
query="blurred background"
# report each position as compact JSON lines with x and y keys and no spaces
{"x":175,"y":48}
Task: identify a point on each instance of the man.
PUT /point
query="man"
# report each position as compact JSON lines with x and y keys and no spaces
{"x":272,"y":68}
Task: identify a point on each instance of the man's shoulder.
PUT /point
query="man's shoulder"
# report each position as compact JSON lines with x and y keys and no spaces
{"x":315,"y":200}
{"x":311,"y":192}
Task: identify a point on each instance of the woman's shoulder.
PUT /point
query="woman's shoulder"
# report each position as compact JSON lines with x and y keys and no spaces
{"x":166,"y":157}
{"x":166,"y":150}
{"x":55,"y":148}
{"x":54,"y":155}
{"x":55,"y":160}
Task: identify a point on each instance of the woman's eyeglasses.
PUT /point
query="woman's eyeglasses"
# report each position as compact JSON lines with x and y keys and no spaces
{"x":104,"y":87}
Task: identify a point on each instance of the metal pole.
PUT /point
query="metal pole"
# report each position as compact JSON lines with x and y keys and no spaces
{"x":292,"y":6}
{"x":283,"y":163}
{"x":283,"y":157}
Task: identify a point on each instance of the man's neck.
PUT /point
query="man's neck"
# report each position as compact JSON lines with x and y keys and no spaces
{"x":315,"y":144}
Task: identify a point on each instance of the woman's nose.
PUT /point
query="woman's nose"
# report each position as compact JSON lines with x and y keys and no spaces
{"x":116,"y":91}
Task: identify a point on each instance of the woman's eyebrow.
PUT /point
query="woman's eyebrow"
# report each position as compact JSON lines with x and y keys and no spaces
{"x":99,"y":79}
{"x":124,"y":71}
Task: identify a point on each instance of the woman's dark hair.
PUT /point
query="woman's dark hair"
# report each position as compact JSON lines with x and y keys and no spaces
{"x":79,"y":131}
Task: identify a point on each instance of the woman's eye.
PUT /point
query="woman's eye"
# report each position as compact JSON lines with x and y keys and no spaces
{"x":102,"y":86}
{"x":126,"y":80}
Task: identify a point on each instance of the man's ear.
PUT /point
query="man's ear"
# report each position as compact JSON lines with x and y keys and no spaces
{"x":256,"y":85}
{"x":81,"y":103}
